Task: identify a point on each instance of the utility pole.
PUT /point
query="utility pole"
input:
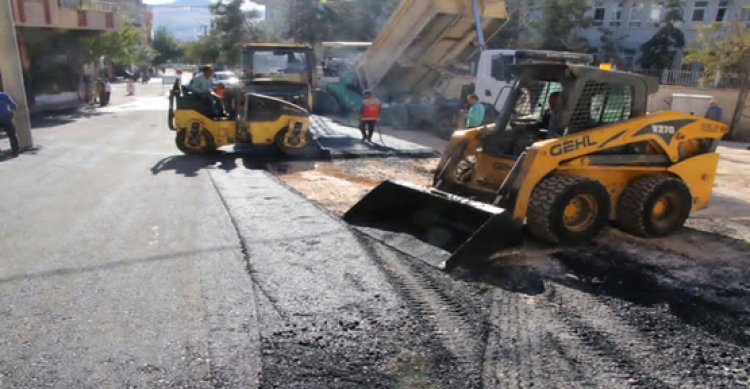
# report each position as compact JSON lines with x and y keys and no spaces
{"x":741,"y":105}
{"x":12,"y":74}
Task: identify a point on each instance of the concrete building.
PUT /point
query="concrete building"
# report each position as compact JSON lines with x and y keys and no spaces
{"x":50,"y":35}
{"x":630,"y":23}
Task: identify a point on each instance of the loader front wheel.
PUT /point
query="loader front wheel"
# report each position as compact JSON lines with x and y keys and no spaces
{"x":568,"y":209}
{"x":654,"y":206}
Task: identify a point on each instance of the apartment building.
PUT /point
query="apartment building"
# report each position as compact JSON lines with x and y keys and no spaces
{"x":631,"y":23}
{"x":50,"y":34}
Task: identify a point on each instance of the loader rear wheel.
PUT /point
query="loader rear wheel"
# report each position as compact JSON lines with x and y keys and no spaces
{"x":654,"y":206}
{"x":568,"y":209}
{"x":203,"y":145}
{"x":301,"y":147}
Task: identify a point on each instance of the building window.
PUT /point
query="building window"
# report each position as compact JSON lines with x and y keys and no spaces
{"x":654,"y":16}
{"x":109,"y":19}
{"x":699,"y":11}
{"x":598,"y":16}
{"x":636,"y":14}
{"x":721,"y":12}
{"x":616,"y":16}
{"x":82,"y":21}
{"x":21,"y":11}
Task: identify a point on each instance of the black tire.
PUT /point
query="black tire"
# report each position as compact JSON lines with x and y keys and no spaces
{"x":654,"y":206}
{"x":546,"y":217}
{"x":279,"y":141}
{"x":186,"y":149}
{"x":445,"y":173}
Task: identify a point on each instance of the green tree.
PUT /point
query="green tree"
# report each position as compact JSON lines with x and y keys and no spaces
{"x":659,"y":52}
{"x":719,"y":51}
{"x":203,"y":50}
{"x":558,"y":26}
{"x":166,"y":45}
{"x":611,"y":45}
{"x":121,"y":47}
{"x":231,"y":27}
{"x":315,"y":21}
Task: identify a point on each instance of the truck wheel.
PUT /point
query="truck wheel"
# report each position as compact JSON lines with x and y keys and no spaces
{"x":302,"y":146}
{"x":568,"y":209}
{"x":203,"y":145}
{"x":654,"y":206}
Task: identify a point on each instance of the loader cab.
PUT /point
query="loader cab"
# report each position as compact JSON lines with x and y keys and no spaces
{"x":587,"y":98}
{"x":284,"y":71}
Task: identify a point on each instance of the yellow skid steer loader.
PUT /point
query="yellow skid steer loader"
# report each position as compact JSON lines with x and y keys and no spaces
{"x":563,"y":170}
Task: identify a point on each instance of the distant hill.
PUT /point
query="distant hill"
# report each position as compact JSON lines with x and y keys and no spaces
{"x":184,"y":18}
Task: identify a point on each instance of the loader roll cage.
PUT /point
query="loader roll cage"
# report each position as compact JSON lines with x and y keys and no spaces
{"x":589,"y":97}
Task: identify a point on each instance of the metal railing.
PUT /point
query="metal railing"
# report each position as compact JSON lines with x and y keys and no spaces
{"x":692,"y":78}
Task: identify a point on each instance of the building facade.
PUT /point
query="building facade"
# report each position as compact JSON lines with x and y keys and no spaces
{"x":630,"y":23}
{"x":51,"y":33}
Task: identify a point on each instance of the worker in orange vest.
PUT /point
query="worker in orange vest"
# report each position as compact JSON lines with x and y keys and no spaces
{"x":369,"y":115}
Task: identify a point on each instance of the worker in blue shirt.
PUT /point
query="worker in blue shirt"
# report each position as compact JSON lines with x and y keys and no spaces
{"x":475,"y":117}
{"x":7,"y":106}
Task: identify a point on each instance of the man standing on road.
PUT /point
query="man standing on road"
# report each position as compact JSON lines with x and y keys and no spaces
{"x":475,"y":117}
{"x":107,"y":92}
{"x":369,"y":115}
{"x":714,"y":112}
{"x":7,"y":106}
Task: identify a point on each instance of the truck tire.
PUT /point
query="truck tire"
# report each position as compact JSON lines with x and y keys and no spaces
{"x":568,"y":209}
{"x":654,"y":206}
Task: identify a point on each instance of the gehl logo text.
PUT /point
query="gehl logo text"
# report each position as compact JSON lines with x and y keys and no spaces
{"x":570,"y":146}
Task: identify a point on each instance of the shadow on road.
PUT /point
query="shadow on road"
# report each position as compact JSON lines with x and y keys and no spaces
{"x":59,"y":118}
{"x":113,"y":264}
{"x":250,"y":157}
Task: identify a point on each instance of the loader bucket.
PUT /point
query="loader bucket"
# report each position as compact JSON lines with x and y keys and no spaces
{"x":436,"y":227}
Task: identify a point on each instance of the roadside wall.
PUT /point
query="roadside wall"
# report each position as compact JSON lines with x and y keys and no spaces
{"x":726,"y":98}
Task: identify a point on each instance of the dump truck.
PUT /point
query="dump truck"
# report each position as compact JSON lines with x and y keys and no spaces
{"x":572,"y":150}
{"x":418,"y":64}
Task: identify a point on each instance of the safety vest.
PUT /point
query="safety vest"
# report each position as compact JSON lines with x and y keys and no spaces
{"x":370,"y":109}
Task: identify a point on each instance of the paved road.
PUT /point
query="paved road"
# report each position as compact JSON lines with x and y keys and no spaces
{"x":118,"y":269}
{"x":125,"y":264}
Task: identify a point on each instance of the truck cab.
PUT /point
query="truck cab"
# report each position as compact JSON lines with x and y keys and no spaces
{"x":494,"y":78}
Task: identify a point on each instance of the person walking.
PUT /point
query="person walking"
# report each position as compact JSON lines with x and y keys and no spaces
{"x":714,"y":112}
{"x":7,"y":106}
{"x":475,"y":117}
{"x":131,"y":86}
{"x":98,"y":92}
{"x":107,"y":92}
{"x":369,"y":115}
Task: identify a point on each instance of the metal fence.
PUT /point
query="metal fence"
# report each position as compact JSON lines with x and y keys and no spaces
{"x":692,"y":78}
